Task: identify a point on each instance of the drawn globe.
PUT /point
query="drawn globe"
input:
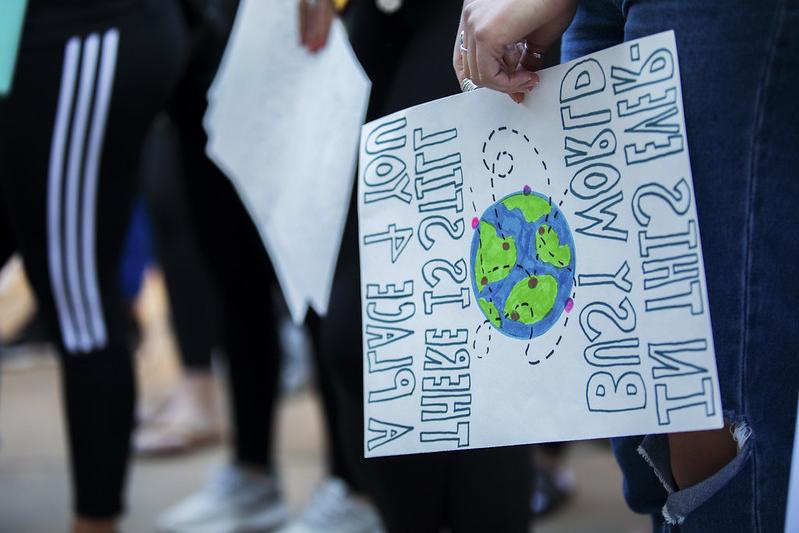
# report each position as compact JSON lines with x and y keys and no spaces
{"x":522,"y":264}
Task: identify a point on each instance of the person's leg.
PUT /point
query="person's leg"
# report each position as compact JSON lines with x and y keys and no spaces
{"x":378,"y":40}
{"x":737,"y":64}
{"x":337,"y":462}
{"x":241,"y":269}
{"x":490,"y":490}
{"x":244,"y":495}
{"x":7,"y":243}
{"x":73,"y":128}
{"x":188,"y":281}
{"x":187,"y":417}
{"x":597,"y":24}
{"x":397,"y":51}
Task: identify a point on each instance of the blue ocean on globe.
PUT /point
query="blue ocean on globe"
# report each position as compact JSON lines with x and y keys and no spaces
{"x":522,"y":264}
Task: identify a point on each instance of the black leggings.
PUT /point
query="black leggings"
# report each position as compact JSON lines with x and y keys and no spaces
{"x":230,"y":243}
{"x":86,"y":90}
{"x":408,"y":58}
{"x":193,"y":299}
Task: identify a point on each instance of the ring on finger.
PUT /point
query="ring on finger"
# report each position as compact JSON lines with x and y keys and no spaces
{"x":536,"y":54}
{"x":463,"y":47}
{"x":468,"y":85}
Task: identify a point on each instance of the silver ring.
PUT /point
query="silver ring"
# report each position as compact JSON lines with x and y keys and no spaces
{"x":537,"y":55}
{"x":463,"y":48}
{"x":312,"y":3}
{"x":468,"y":85}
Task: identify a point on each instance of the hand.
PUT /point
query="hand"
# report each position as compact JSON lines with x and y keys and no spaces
{"x":504,"y":41}
{"x":315,"y":19}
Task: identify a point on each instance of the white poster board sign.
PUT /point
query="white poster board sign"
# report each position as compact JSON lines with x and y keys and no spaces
{"x":534,"y":272}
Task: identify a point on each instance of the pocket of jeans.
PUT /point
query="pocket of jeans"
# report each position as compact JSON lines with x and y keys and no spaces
{"x":684,"y":503}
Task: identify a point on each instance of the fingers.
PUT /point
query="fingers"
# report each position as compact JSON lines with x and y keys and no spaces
{"x":467,"y":71}
{"x":493,"y":30}
{"x":471,"y":59}
{"x":532,"y":57}
{"x":326,"y":18}
{"x":457,"y":54}
{"x":499,"y":69}
{"x":315,"y":20}
{"x":495,"y":74}
{"x":303,"y":7}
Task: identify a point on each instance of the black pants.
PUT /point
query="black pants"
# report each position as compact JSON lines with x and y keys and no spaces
{"x":232,"y":248}
{"x":86,"y":90}
{"x":242,"y":277}
{"x":408,"y":58}
{"x":193,"y":298}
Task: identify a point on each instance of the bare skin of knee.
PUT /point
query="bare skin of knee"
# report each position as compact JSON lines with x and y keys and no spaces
{"x":697,"y":455}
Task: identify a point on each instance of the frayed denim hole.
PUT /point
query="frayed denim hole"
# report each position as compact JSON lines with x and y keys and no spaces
{"x":741,"y":432}
{"x":654,"y":451}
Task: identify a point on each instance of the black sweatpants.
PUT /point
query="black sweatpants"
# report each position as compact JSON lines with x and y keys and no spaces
{"x":408,"y":58}
{"x":89,"y":79}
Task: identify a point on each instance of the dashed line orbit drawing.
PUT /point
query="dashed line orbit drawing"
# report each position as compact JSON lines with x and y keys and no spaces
{"x":522,"y":253}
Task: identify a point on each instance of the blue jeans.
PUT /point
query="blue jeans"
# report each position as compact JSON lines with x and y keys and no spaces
{"x":739,"y":63}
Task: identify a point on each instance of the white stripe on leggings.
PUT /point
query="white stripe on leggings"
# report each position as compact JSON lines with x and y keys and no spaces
{"x":96,"y":136}
{"x":74,"y":166}
{"x":54,"y":184}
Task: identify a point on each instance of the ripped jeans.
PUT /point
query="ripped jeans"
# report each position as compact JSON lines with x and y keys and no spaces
{"x":739,"y":62}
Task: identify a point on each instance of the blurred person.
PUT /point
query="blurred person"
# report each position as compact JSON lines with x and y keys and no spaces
{"x":245,"y":494}
{"x":739,"y":67}
{"x":404,"y":49}
{"x":71,"y":131}
{"x":553,"y":479}
{"x":187,"y":417}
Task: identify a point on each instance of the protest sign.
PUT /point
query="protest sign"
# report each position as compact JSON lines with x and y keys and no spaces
{"x":534,"y":272}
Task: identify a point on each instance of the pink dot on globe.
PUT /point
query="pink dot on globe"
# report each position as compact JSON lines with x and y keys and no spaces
{"x":475,"y":222}
{"x":569,"y":305}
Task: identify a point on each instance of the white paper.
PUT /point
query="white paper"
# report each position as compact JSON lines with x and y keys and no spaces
{"x":600,"y":323}
{"x":283,"y":124}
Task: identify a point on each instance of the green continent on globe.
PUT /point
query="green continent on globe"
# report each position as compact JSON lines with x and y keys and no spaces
{"x":495,"y":256}
{"x":531,"y":299}
{"x":490,"y":310}
{"x":532,"y":206}
{"x":549,"y":249}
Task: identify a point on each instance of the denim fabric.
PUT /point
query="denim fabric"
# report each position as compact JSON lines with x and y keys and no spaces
{"x":739,"y":63}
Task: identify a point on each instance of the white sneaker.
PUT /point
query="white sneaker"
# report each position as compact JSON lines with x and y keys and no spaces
{"x":235,"y":500}
{"x":334,"y":509}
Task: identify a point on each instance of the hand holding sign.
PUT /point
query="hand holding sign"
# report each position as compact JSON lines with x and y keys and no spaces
{"x":487,"y":51}
{"x":534,"y":272}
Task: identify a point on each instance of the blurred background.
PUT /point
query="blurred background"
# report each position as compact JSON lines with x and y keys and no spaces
{"x":33,"y":467}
